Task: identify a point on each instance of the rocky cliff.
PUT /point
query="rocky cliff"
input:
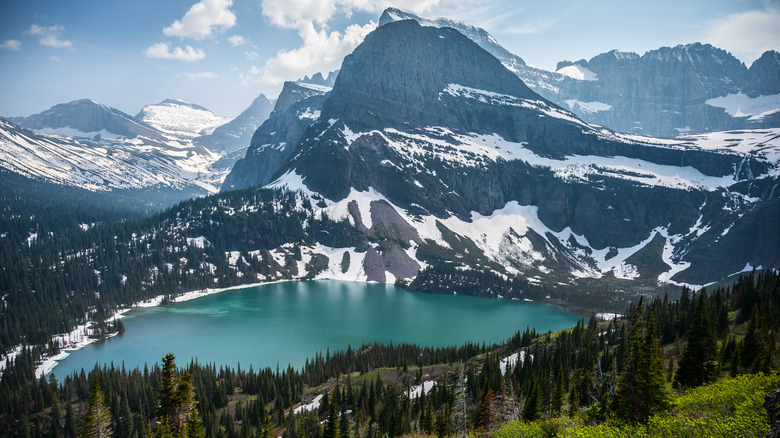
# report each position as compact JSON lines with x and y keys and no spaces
{"x":274,"y":141}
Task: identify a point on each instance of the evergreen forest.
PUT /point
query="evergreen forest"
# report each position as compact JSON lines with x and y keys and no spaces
{"x":702,"y":365}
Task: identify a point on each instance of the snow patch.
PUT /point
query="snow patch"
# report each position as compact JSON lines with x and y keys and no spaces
{"x":742,"y":105}
{"x":578,"y":72}
{"x":588,"y":107}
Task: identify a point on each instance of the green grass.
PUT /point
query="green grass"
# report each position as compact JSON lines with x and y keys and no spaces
{"x":731,"y":407}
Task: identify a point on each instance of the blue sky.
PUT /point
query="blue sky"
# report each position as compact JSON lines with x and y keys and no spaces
{"x":222,"y":53}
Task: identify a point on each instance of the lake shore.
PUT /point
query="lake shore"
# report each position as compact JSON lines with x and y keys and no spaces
{"x":79,"y":337}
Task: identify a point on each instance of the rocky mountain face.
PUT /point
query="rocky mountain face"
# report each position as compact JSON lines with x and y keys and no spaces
{"x":440,"y":156}
{"x":237,"y":133}
{"x":762,"y":76}
{"x":297,"y":107}
{"x":476,"y":34}
{"x":666,"y":92}
{"x":669,"y":91}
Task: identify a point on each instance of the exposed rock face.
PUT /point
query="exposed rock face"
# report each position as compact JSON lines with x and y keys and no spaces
{"x":86,"y":116}
{"x":274,"y":141}
{"x":763,"y":77}
{"x":476,"y":34}
{"x":238,"y":133}
{"x":661,"y":93}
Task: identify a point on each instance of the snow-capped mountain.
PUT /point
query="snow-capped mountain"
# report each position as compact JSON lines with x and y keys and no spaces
{"x":441,"y":156}
{"x":104,"y":165}
{"x":666,"y":92}
{"x":95,"y":147}
{"x":86,"y":118}
{"x":180,"y":119}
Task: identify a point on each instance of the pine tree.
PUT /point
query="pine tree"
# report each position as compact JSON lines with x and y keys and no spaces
{"x":97,"y":421}
{"x":531,"y":406}
{"x":124,"y":427}
{"x":485,"y":418}
{"x":332,"y":429}
{"x":751,"y":346}
{"x":167,"y":392}
{"x":443,"y":425}
{"x":697,"y":365}
{"x":641,"y":388}
{"x":557,"y":398}
{"x":70,"y":422}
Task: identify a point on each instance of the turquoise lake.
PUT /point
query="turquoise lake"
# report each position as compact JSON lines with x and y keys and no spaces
{"x":287,"y":322}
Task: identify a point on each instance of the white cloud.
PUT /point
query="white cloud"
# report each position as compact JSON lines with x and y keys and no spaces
{"x":291,"y":14}
{"x":203,"y":19}
{"x":746,"y":34}
{"x":237,"y":40}
{"x":201,"y":75}
{"x":322,"y":51}
{"x":11,"y":45}
{"x":251,"y":54}
{"x":50,"y":36}
{"x":253,"y":76}
{"x":164,"y":51}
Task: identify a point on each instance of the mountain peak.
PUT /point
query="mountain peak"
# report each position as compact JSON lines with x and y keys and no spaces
{"x":410,"y":65}
{"x":476,"y":34}
{"x":84,"y":118}
{"x":180,"y":102}
{"x":180,"y":118}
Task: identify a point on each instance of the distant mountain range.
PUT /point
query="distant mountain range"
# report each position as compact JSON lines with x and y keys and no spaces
{"x":667,"y":92}
{"x":174,"y":145}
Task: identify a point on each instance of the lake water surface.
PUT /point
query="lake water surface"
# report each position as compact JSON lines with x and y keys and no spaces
{"x":290,"y":321}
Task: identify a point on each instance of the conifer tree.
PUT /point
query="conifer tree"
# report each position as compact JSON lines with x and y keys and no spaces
{"x":332,"y":429}
{"x":485,"y":419}
{"x":70,"y":422}
{"x":641,"y":388}
{"x":459,"y":422}
{"x":97,"y":421}
{"x":750,"y":343}
{"x":697,"y":365}
{"x":531,"y":406}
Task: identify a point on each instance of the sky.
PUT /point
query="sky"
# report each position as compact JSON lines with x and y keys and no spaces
{"x":222,"y":54}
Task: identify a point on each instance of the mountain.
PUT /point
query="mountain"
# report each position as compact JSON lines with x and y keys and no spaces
{"x":86,"y":118}
{"x":666,"y":92}
{"x":442,"y":157}
{"x":104,"y":165}
{"x":237,"y":133}
{"x":297,"y":107}
{"x":180,"y":119}
{"x":672,"y":91}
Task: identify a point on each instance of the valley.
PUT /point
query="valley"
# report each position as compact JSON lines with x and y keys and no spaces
{"x":433,"y":190}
